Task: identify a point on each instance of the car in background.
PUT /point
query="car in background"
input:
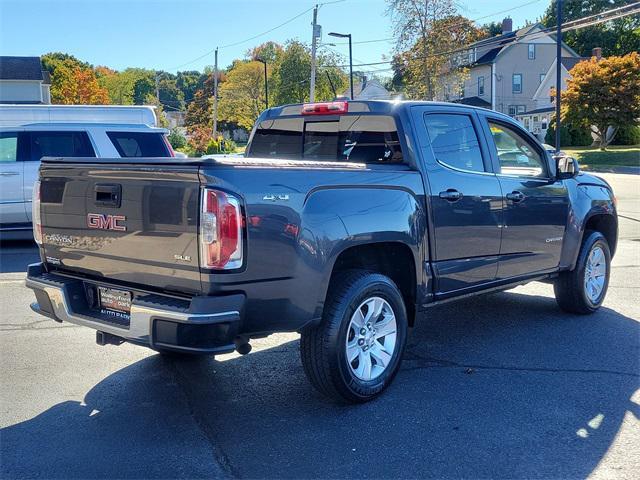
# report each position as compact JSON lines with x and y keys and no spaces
{"x":30,"y":132}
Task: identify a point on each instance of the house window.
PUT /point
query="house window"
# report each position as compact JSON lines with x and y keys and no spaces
{"x":531,"y":52}
{"x":517,"y":109}
{"x":516,"y":83}
{"x":542,"y":75}
{"x":470,"y":56}
{"x":480,"y":86}
{"x":535,"y":119}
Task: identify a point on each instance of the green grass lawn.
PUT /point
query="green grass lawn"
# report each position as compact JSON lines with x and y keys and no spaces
{"x":614,"y":156}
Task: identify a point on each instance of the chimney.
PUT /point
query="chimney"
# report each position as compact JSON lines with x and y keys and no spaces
{"x":507,"y":25}
{"x":597,"y":52}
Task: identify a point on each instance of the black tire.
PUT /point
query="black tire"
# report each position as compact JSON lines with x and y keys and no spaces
{"x":570,"y":288}
{"x":322,"y":348}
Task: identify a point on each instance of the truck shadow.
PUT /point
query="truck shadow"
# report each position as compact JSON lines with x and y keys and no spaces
{"x":15,"y":255}
{"x":501,"y":386}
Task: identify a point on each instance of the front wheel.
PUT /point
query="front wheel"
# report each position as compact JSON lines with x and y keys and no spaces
{"x":582,"y":290}
{"x":355,"y":353}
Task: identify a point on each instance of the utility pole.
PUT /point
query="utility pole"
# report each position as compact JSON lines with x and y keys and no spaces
{"x":215,"y":95}
{"x":558,"y":73}
{"x":158,"y":90}
{"x":314,"y":37}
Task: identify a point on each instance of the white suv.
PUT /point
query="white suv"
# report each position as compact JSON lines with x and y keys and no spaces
{"x":28,"y":133}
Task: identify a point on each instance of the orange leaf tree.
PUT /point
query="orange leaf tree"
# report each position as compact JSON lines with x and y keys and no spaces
{"x":603,"y":94}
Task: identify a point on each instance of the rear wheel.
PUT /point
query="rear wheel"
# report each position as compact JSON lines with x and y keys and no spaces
{"x":355,"y":353}
{"x":582,"y":290}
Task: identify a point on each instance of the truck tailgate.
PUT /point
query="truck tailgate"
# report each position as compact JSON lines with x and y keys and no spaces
{"x":123,"y":223}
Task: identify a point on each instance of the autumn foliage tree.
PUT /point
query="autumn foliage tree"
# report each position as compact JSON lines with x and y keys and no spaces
{"x":603,"y":94}
{"x":424,"y":31}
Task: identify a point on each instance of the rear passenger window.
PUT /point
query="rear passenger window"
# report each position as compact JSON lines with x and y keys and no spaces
{"x":454,"y":141}
{"x":60,"y":144}
{"x":139,"y":144}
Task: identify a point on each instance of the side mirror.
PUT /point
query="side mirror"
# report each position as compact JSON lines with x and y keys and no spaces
{"x":566,"y":167}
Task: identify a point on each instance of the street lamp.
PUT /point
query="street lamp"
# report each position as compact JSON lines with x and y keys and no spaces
{"x":347,"y":35}
{"x":266,"y":84}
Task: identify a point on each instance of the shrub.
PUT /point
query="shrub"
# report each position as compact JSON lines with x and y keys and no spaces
{"x":199,"y":138}
{"x":176,"y":139}
{"x":627,"y":135}
{"x":570,"y":135}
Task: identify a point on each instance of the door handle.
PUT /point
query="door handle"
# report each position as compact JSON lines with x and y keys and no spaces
{"x":451,"y":195}
{"x":515,"y":196}
{"x":108,"y":195}
{"x":9,"y":174}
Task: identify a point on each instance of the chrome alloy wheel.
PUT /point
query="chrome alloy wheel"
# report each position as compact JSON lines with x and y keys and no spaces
{"x":371,"y":338}
{"x":595,"y":274}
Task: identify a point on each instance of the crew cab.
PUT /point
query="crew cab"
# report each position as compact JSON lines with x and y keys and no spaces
{"x":345,"y":221}
{"x":30,"y":132}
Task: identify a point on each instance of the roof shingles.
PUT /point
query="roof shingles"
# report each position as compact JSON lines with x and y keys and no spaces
{"x":20,"y":68}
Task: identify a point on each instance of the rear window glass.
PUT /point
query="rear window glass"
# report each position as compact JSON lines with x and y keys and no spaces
{"x":351,"y":138}
{"x":139,"y":144}
{"x":60,"y":144}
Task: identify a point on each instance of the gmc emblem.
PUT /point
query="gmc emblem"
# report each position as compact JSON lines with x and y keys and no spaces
{"x":101,"y":221}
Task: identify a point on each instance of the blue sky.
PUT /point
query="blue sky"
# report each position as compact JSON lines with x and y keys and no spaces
{"x":164,"y":34}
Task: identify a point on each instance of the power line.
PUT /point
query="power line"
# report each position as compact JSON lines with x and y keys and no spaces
{"x":240,"y":42}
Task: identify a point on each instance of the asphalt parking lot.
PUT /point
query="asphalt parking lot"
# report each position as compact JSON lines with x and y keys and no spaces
{"x":498,"y":386}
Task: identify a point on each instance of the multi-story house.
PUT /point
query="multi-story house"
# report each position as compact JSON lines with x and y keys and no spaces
{"x":505,"y":72}
{"x":23,"y":80}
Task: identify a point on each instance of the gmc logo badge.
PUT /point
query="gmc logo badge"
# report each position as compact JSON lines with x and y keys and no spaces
{"x":101,"y":221}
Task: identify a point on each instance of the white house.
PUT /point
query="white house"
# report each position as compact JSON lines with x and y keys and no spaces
{"x":368,"y":90}
{"x":22,"y":80}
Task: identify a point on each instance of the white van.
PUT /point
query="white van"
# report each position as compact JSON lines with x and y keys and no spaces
{"x":30,"y":132}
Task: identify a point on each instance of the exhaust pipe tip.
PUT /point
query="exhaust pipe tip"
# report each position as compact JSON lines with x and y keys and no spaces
{"x":242,"y":345}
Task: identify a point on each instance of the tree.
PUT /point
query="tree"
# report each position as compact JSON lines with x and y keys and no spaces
{"x":491,"y":29}
{"x":270,"y":52}
{"x":242,"y":95}
{"x":74,"y":84}
{"x":603,"y":94}
{"x":189,"y":82}
{"x":290,"y":78}
{"x":423,"y":31}
{"x":171,"y":97}
{"x":617,"y":37}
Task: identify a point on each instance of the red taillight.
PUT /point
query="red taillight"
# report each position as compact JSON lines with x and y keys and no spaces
{"x":220,"y":230}
{"x":325,"y":108}
{"x":35,"y":214}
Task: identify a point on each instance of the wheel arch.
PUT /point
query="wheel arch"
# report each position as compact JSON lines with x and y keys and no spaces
{"x":394,"y":259}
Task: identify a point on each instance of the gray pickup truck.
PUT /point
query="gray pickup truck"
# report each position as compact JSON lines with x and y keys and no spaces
{"x":344,"y":221}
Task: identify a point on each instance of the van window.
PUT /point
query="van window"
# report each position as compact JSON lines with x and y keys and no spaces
{"x":454,"y":141}
{"x":60,"y":144}
{"x":139,"y":144}
{"x":8,"y":147}
{"x":351,"y":138}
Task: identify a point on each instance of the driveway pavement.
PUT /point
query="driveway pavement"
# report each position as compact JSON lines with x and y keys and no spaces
{"x":499,"y":386}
